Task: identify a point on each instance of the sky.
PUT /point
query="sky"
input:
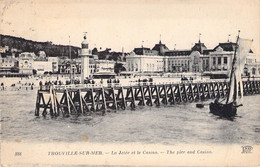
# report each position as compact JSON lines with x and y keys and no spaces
{"x":125,"y":24}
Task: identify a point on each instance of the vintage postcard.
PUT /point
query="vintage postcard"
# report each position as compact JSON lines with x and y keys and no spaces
{"x":130,"y":83}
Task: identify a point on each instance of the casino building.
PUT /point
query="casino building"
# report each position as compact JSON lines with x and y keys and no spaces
{"x":214,"y":62}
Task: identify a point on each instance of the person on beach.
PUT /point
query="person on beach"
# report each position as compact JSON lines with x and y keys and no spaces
{"x":2,"y":86}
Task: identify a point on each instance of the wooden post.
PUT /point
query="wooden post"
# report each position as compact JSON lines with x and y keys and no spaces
{"x":218,"y":95}
{"x":165,"y":95}
{"x":185,"y":92}
{"x":142,"y":95}
{"x":80,"y":102}
{"x":208,"y":88}
{"x":72,"y":104}
{"x":150,"y":95}
{"x":55,"y":102}
{"x":172,"y":94}
{"x":222,"y":89}
{"x":37,"y":108}
{"x":93,"y":100}
{"x":179,"y":92}
{"x":86,"y":104}
{"x":257,"y":87}
{"x":46,"y":106}
{"x":247,"y":87}
{"x":157,"y":101}
{"x":67,"y":100}
{"x":133,"y":98}
{"x":254,"y":84}
{"x":52,"y":110}
{"x":114,"y":98}
{"x":104,"y":99}
{"x":213,"y":90}
{"x":97,"y":97}
{"x":192,"y":93}
{"x":251,"y":87}
{"x":123,"y":99}
{"x":198,"y":91}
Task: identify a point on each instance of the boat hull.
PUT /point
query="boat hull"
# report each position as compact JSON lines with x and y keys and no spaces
{"x":223,"y":110}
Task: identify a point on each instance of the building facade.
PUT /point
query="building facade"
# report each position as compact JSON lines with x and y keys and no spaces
{"x":25,"y":64}
{"x":252,"y":66}
{"x":55,"y":63}
{"x":42,"y":66}
{"x":8,"y":64}
{"x":144,"y":60}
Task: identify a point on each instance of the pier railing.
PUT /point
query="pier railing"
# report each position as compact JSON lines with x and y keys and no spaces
{"x":99,"y":85}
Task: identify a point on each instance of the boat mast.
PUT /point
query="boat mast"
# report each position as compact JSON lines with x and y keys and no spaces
{"x":233,"y":64}
{"x":70,"y":62}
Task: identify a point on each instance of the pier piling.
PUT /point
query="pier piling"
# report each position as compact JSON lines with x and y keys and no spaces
{"x":82,"y":99}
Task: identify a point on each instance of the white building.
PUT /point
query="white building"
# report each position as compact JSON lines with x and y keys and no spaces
{"x":219,"y":61}
{"x":105,"y":66}
{"x":54,"y":61}
{"x":161,"y":59}
{"x":42,"y":54}
{"x":252,"y":66}
{"x":26,"y":60}
{"x":42,"y":66}
{"x":8,"y":63}
{"x":145,"y":62}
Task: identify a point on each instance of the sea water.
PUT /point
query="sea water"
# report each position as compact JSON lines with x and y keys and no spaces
{"x":167,"y":124}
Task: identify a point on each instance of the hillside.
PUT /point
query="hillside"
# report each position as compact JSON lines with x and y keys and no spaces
{"x":50,"y":49}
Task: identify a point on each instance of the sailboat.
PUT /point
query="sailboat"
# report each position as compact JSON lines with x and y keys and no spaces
{"x":234,"y":96}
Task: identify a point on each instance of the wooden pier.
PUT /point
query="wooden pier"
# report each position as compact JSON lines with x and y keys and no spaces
{"x":81,"y":99}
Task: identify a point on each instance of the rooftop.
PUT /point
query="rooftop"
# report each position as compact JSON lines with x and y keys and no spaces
{"x":227,"y":46}
{"x":200,"y":47}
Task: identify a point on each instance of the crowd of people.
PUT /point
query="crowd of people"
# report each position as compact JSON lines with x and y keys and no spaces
{"x":19,"y":86}
{"x":183,"y":79}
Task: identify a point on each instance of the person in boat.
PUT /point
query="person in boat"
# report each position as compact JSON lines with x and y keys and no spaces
{"x":216,"y":100}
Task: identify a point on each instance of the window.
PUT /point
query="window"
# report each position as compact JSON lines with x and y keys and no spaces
{"x":214,"y":60}
{"x":245,"y":71}
{"x":253,"y":71}
{"x":219,"y":60}
{"x":196,"y":60}
{"x":225,"y":60}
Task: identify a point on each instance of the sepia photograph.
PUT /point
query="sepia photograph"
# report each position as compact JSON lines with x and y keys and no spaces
{"x":129,"y":83}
